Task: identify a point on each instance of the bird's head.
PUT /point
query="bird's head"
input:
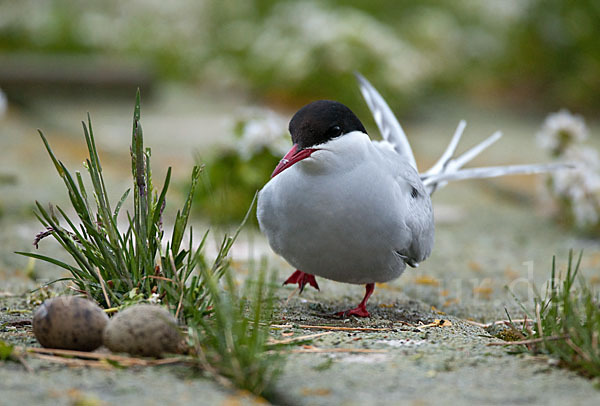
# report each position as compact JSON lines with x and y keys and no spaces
{"x":321,"y":121}
{"x":315,"y":124}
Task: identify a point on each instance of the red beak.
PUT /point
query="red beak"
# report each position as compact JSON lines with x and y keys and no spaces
{"x":294,"y":155}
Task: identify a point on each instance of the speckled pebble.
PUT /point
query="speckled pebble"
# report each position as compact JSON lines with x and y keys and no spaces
{"x":144,"y":329}
{"x":70,"y":323}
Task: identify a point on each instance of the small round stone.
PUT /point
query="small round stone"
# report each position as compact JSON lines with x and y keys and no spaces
{"x":70,"y":323}
{"x":144,"y":329}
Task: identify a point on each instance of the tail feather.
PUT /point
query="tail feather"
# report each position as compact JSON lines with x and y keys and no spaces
{"x":466,"y":157}
{"x":386,"y":121}
{"x":447,"y":165}
{"x":447,"y":168}
{"x":494,"y":171}
{"x":449,"y":152}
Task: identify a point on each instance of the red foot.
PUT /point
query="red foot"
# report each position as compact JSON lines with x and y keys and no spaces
{"x":358,"y":311}
{"x":361,"y":309}
{"x":302,"y":279}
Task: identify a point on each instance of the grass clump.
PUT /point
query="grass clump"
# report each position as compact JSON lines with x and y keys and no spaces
{"x":235,"y":340}
{"x":228,"y":331}
{"x":112,"y":267}
{"x":567,"y":322}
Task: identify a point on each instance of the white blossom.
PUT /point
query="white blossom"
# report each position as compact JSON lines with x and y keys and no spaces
{"x":298,"y":36}
{"x":262,"y":128}
{"x":580,"y":186}
{"x":154,"y":298}
{"x":560,"y":130}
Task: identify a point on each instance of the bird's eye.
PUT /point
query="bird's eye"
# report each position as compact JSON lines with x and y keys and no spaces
{"x":414,"y":193}
{"x":334,"y":131}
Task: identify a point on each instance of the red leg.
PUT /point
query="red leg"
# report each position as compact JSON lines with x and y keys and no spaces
{"x":361,"y":309}
{"x":302,"y":279}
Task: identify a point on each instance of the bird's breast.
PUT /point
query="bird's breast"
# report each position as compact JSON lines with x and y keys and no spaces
{"x":342,"y":223}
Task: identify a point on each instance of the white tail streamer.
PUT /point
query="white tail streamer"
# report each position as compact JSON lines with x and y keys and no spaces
{"x":447,"y":168}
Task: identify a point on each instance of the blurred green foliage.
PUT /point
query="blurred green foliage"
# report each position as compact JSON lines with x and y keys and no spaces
{"x":6,"y":351}
{"x":290,"y":51}
{"x":229,"y":183}
{"x":554,"y":53}
{"x":232,"y":175}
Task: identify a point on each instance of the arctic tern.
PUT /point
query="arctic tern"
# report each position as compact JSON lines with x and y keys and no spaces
{"x":352,"y":210}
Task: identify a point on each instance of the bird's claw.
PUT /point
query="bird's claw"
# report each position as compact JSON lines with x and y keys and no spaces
{"x":360,"y":311}
{"x":302,"y":278}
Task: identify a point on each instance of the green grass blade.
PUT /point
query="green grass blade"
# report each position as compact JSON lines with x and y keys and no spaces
{"x":160,"y":203}
{"x":51,"y":153}
{"x":120,"y":204}
{"x":51,"y":260}
{"x":66,"y":241}
{"x":50,"y":283}
{"x":182,"y":218}
{"x":82,"y":190}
